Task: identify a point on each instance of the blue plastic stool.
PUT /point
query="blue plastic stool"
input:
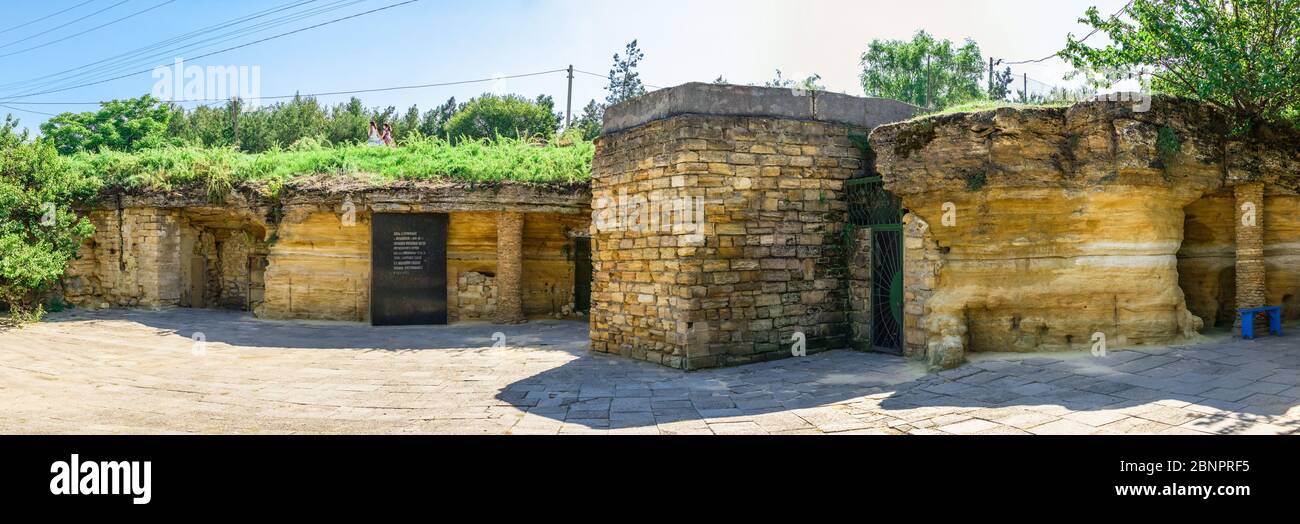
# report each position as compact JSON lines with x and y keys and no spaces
{"x":1248,"y":320}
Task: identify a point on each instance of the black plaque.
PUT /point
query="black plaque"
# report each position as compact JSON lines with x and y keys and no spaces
{"x":408,"y":269}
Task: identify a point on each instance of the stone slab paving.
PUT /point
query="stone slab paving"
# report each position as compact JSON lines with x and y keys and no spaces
{"x":126,"y":371}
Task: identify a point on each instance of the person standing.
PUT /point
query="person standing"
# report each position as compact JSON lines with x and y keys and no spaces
{"x":374,"y":138}
{"x":388,"y":136}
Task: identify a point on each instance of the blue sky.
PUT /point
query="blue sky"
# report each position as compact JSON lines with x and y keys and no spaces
{"x":433,"y":41}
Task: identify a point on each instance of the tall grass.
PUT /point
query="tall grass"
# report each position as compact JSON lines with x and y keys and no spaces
{"x":219,"y":170}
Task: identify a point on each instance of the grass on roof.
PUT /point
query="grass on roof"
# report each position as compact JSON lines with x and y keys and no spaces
{"x":424,"y":159}
{"x":989,"y":105}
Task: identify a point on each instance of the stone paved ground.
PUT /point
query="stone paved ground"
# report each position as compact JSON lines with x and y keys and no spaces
{"x":136,"y":372}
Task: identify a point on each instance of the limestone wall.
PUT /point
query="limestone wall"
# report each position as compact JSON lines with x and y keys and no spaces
{"x":1282,"y":252}
{"x":859,"y":292}
{"x":548,"y":257}
{"x":766,"y":262}
{"x":1207,"y":259}
{"x":319,"y":268}
{"x":1067,"y":222}
{"x":318,"y":265}
{"x":130,"y":261}
{"x":152,"y":256}
{"x":718,"y":222}
{"x":309,"y":256}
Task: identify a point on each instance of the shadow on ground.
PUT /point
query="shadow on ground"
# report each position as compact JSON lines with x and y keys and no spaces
{"x":242,"y":329}
{"x":1225,"y":385}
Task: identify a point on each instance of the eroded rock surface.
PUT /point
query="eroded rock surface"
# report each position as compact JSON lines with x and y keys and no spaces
{"x":1056,"y":224}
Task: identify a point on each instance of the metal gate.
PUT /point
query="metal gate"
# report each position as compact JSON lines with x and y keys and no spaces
{"x":871,"y":207}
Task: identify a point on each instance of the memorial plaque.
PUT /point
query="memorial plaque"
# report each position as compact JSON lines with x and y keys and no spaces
{"x":408,"y":269}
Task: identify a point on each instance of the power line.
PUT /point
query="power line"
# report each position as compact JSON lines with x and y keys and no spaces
{"x":1081,"y":40}
{"x":52,"y":29}
{"x":43,"y":18}
{"x":27,"y":110}
{"x":156,"y":45}
{"x":125,"y":61}
{"x":281,"y":35}
{"x":333,"y":93}
{"x":52,"y":42}
{"x":598,"y":75}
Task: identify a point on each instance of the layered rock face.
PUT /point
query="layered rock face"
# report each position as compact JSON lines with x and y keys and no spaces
{"x":148,"y":253}
{"x":1207,"y":260}
{"x":308,"y":256}
{"x":1055,"y":225}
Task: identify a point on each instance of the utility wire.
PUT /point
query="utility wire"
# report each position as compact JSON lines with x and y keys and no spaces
{"x":27,"y":110}
{"x":1085,"y":37}
{"x":46,"y":17}
{"x":101,"y":26}
{"x":156,"y":45}
{"x":332,"y":93}
{"x":126,"y":65}
{"x":126,"y":61}
{"x":598,"y":75}
{"x":115,"y":70}
{"x":281,"y":35}
{"x":64,"y":25}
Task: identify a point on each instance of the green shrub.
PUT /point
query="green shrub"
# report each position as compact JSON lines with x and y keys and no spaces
{"x":491,"y":116}
{"x":218,"y":170}
{"x":39,"y":231}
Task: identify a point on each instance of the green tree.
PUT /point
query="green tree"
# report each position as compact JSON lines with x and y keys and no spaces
{"x":624,"y":80}
{"x":1000,"y":84}
{"x":1242,"y":56}
{"x":435,"y":120}
{"x":808,"y":84}
{"x":349,"y":123}
{"x":39,"y":232}
{"x":547,"y":102}
{"x":120,"y":125}
{"x":295,"y":120}
{"x":924,"y":71}
{"x":408,"y":125}
{"x":589,"y":123}
{"x":510,"y":115}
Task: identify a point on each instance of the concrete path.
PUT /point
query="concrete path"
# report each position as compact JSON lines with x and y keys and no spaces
{"x":124,"y":371}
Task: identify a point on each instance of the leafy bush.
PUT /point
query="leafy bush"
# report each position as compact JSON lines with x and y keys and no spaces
{"x":39,"y":231}
{"x":122,"y":125}
{"x":513,"y":116}
{"x":1239,"y":56}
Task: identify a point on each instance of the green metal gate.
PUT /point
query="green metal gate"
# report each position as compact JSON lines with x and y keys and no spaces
{"x":872,"y":207}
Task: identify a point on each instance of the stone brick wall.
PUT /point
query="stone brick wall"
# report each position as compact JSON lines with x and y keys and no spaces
{"x":922,"y":262}
{"x":130,"y":261}
{"x":510,"y":268}
{"x":766,"y":262}
{"x":859,"y":293}
{"x":476,"y":296}
{"x":1251,"y":291}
